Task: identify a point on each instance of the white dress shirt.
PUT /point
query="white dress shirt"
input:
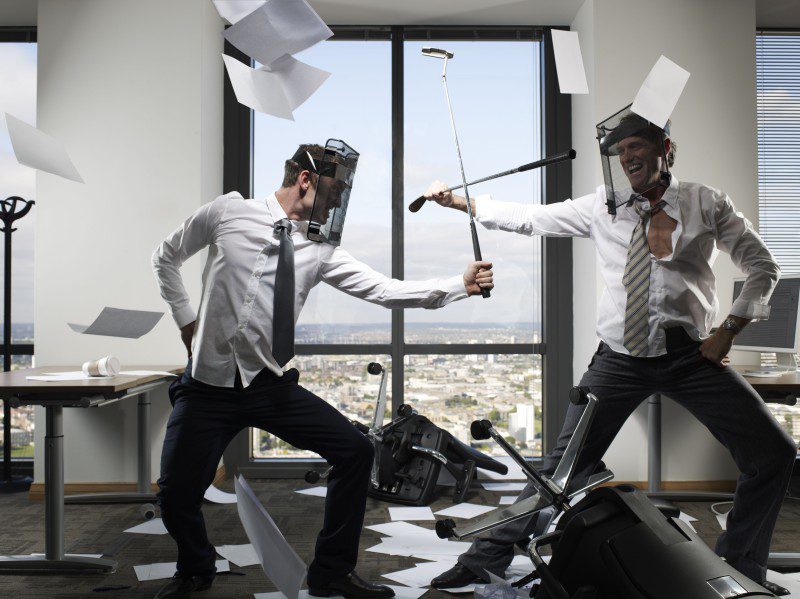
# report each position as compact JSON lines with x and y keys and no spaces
{"x":682,"y":284}
{"x":234,"y":323}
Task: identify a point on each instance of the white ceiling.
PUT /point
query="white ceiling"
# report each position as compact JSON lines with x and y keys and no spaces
{"x":769,"y":13}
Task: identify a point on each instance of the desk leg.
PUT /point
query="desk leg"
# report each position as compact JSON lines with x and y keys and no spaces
{"x":143,"y":494}
{"x":54,"y":559}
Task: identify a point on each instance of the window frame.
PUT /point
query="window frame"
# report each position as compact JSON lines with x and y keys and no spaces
{"x":556,"y":253}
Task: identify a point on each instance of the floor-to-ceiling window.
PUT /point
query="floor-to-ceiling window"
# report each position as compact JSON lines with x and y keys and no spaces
{"x":478,"y":358}
{"x":778,"y":93}
{"x":18,"y":97}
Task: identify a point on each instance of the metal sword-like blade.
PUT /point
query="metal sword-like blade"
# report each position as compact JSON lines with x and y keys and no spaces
{"x":566,"y":465}
{"x":521,"y":509}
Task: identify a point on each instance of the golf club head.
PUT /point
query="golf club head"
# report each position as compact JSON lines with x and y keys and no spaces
{"x":437,"y":53}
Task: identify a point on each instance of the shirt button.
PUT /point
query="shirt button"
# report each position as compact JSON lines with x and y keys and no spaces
{"x":241,"y":327}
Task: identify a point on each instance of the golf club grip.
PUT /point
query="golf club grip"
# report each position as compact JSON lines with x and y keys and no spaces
{"x":476,"y":247}
{"x":569,"y":155}
{"x":417,"y":204}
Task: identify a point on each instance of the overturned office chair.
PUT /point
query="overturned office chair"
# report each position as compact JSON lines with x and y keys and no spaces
{"x":612,"y":544}
{"x":410,"y":452}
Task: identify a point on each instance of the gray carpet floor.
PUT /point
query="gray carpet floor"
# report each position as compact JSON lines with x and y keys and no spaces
{"x":98,"y":529}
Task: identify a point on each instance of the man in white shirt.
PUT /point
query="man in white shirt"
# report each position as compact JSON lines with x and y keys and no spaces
{"x":235,"y":376}
{"x":654,"y":320}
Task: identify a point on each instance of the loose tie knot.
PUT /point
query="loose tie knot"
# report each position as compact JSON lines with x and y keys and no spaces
{"x":281,"y":225}
{"x":646,"y":211}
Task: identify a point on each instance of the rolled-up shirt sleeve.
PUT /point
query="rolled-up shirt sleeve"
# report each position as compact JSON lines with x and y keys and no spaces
{"x":570,"y":218}
{"x":345,"y":273}
{"x":193,"y":235}
{"x":736,"y":236}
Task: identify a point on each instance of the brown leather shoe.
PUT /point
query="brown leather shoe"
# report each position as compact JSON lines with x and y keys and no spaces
{"x":353,"y":586}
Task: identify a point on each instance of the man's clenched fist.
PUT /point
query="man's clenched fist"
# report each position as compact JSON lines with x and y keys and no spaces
{"x":478,"y":276}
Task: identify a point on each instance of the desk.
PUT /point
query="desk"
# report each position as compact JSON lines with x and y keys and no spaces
{"x":775,"y":389}
{"x":54,"y":397}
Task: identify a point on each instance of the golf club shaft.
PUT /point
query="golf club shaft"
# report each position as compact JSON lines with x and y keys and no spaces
{"x":476,"y":246}
{"x":420,"y":201}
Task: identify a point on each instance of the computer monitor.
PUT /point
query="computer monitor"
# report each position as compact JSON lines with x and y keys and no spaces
{"x":779,"y":333}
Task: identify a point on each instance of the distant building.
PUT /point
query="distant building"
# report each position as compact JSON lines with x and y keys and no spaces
{"x":521,"y":423}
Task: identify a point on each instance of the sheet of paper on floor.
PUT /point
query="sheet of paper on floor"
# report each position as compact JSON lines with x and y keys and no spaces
{"x":508,"y":499}
{"x":514,"y":471}
{"x":402,"y":528}
{"x":214,"y":495}
{"x":465,"y":510}
{"x":411,"y":513}
{"x":239,"y":555}
{"x":688,"y":519}
{"x":407,"y":592}
{"x":167,"y":569}
{"x":504,"y":486}
{"x":723,"y":520}
{"x":421,"y":574}
{"x":415,"y":545}
{"x":278,"y":560}
{"x":151,"y":527}
{"x":314,"y":491}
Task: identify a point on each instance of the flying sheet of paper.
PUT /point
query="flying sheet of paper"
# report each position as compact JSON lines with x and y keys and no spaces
{"x":167,"y":569}
{"x":659,"y":94}
{"x":402,"y":528}
{"x":465,"y":510}
{"x":421,"y":574}
{"x":118,"y":322}
{"x":276,"y":90}
{"x":411,"y":513}
{"x":314,"y":491}
{"x":234,"y":11}
{"x":38,"y":150}
{"x":278,"y":560}
{"x":276,"y":28}
{"x":723,"y":520}
{"x":508,"y":499}
{"x":151,"y":527}
{"x":569,"y":62}
{"x":514,"y":470}
{"x":504,"y":486}
{"x":239,"y":555}
{"x":214,"y":495}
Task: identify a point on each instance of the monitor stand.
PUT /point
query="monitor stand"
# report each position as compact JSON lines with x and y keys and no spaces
{"x":785,"y":362}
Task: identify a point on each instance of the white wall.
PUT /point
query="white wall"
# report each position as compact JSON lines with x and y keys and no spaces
{"x":714,"y":125}
{"x":134,"y":89}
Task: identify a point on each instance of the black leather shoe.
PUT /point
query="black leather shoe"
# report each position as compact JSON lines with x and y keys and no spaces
{"x":182,"y":586}
{"x":775,"y":589}
{"x":456,"y":577}
{"x":353,"y":587}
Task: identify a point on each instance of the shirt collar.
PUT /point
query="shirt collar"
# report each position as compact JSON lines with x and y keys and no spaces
{"x":277,"y":213}
{"x":670,"y":197}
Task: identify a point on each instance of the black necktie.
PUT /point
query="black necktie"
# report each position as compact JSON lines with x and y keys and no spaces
{"x":283,"y":307}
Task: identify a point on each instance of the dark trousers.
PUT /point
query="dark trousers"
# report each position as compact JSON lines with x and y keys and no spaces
{"x":205,"y":418}
{"x":722,"y":400}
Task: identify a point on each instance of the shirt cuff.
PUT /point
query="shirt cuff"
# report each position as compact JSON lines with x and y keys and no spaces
{"x":483,"y":208}
{"x":750,"y":310}
{"x":454,"y":289}
{"x":184,"y":316}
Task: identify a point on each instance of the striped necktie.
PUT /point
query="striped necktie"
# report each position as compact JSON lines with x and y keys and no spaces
{"x":283,"y":306}
{"x":637,"y":284}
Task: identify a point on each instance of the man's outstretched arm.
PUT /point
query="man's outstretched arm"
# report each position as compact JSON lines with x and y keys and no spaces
{"x":355,"y":278}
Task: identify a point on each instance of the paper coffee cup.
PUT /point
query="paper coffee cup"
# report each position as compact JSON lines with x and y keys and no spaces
{"x":106,"y":366}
